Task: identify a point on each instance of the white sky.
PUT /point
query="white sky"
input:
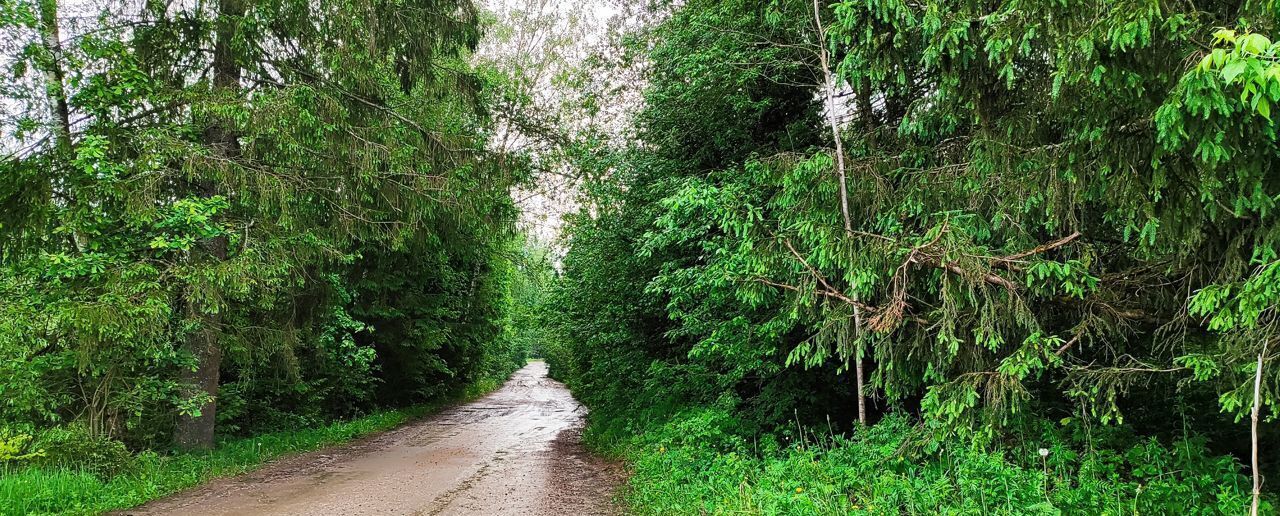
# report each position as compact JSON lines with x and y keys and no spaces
{"x":544,"y":42}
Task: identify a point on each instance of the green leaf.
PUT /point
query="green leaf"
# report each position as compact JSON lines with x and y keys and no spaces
{"x":1224,"y":35}
{"x":1233,"y":69}
{"x":1254,"y":44}
{"x":1205,"y":63}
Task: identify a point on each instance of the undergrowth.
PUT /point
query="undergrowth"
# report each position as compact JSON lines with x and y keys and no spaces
{"x":695,"y":464}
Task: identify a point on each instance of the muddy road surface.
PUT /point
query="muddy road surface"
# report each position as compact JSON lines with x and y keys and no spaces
{"x":515,"y":451}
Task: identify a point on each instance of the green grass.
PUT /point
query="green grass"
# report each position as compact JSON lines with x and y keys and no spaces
{"x":688,"y":466}
{"x":152,"y":476}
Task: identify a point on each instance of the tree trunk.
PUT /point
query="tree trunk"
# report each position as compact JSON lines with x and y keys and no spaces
{"x":197,"y":432}
{"x":857,"y":364}
{"x":828,"y":83}
{"x":1257,"y":407}
{"x":55,"y":78}
{"x":56,"y":94}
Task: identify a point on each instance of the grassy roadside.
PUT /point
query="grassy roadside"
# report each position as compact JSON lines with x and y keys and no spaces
{"x":153,"y":476}
{"x":690,"y":466}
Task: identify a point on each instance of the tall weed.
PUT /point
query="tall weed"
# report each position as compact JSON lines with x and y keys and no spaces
{"x":690,"y":467}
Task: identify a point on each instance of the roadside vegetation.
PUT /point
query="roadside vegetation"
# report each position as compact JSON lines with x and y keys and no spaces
{"x":940,"y":257}
{"x":238,"y":229}
{"x":832,"y":257}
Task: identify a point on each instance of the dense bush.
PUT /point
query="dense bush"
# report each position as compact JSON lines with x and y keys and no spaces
{"x":207,"y":235}
{"x":74,"y":448}
{"x":16,"y":448}
{"x":975,"y":216}
{"x":681,"y":468}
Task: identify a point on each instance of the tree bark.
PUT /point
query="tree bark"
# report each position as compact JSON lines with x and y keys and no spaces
{"x":1257,"y":407}
{"x":197,"y":432}
{"x":55,"y":78}
{"x":56,"y":94}
{"x":828,"y":84}
{"x":857,"y":365}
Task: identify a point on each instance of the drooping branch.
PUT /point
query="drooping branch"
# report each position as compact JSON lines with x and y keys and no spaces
{"x":1007,"y":261}
{"x":834,"y":294}
{"x":955,"y":268}
{"x":1067,"y":346}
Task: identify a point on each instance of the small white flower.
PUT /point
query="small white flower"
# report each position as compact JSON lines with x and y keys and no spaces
{"x":1044,"y":452}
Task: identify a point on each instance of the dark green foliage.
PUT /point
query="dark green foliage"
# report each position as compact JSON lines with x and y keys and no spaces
{"x":1053,"y":212}
{"x":623,"y":341}
{"x":681,"y":469}
{"x":282,"y":212}
{"x":74,"y":448}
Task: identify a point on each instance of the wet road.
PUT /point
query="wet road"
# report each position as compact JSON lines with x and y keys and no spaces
{"x":515,"y":451}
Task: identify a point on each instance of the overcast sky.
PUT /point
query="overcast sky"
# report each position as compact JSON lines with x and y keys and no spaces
{"x":543,"y":41}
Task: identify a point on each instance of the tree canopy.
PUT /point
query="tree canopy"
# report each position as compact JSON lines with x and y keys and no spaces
{"x":279,"y":209}
{"x":1028,"y":211}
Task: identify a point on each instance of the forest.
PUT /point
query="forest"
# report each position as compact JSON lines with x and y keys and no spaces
{"x":230,"y":218}
{"x":794,"y":256}
{"x":936,"y":257}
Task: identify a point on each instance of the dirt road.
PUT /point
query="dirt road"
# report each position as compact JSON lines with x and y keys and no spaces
{"x":515,"y":451}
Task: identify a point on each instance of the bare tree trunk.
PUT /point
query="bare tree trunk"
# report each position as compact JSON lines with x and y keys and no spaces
{"x":56,"y":93}
{"x":197,"y":432}
{"x":1257,"y":407}
{"x":55,"y":78}
{"x":828,"y":84}
{"x":857,"y":364}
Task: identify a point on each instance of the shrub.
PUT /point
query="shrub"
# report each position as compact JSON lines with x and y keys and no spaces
{"x":74,"y":448}
{"x":681,"y":469}
{"x":15,"y":447}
